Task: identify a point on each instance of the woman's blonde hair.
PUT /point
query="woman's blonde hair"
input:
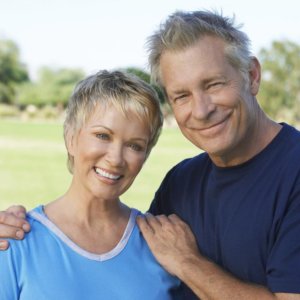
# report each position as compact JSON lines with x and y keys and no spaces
{"x":126,"y":92}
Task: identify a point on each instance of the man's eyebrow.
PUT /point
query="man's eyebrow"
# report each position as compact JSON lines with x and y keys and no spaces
{"x":177,"y":92}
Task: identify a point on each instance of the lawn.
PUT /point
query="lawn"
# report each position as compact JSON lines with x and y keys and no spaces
{"x":33,"y":164}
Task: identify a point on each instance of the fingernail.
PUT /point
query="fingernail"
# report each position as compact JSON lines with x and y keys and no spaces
{"x":26,"y":227}
{"x":20,"y":234}
{"x":3,"y":245}
{"x":22,"y":215}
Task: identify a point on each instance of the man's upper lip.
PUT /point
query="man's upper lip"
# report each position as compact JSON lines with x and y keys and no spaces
{"x":211,"y":125}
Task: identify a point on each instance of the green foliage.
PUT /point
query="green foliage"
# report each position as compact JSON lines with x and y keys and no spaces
{"x":146,"y":77}
{"x":12,"y":71}
{"x":53,"y":87}
{"x":280,"y":87}
{"x":139,"y":73}
{"x":8,"y":111}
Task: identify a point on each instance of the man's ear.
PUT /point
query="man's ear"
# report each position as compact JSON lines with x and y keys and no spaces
{"x":255,"y":76}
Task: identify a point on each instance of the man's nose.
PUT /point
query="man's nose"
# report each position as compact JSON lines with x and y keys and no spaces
{"x":202,"y":106}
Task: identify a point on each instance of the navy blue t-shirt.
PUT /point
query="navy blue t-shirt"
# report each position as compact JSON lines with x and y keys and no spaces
{"x":246,"y":218}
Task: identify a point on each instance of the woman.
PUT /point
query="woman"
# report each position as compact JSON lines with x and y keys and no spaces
{"x":85,"y":244}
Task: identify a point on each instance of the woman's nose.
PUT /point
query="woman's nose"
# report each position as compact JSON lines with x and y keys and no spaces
{"x":115,"y":155}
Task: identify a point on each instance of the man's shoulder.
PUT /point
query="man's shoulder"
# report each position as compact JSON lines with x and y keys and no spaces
{"x":290,"y":134}
{"x":187,"y":171}
{"x":192,"y":163}
{"x":290,"y":145}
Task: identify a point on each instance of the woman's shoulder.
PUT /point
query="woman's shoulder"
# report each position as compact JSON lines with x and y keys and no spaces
{"x":35,"y":230}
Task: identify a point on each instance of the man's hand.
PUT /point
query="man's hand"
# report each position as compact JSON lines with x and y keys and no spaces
{"x":174,"y":246}
{"x":12,"y":224}
{"x":170,"y":240}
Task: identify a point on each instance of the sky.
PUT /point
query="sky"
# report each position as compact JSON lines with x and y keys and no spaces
{"x":109,"y":34}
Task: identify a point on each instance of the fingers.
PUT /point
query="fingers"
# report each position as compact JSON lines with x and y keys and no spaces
{"x":144,"y":226}
{"x":7,"y":231}
{"x":175,"y":220}
{"x":12,"y":226}
{"x":169,"y":239}
{"x":154,"y":224}
{"x":3,"y":245}
{"x":17,"y":210}
{"x":148,"y":222}
{"x":10,"y":219}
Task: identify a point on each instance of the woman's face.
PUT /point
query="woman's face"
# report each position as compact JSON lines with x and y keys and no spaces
{"x":109,"y":151}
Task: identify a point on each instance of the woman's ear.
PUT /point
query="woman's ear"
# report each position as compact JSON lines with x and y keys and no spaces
{"x":70,"y":141}
{"x":255,"y":76}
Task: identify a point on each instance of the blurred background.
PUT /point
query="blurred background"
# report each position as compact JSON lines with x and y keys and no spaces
{"x":48,"y":46}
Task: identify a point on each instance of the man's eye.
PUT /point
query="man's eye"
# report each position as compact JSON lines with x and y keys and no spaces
{"x":102,"y":136}
{"x":215,"y":84}
{"x":180,"y":97}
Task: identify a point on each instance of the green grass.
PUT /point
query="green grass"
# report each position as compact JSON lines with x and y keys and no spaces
{"x":33,"y":164}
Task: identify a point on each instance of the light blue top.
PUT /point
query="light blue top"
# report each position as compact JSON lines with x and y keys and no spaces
{"x":48,"y":265}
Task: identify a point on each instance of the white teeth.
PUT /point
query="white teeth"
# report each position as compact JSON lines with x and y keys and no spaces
{"x":106,"y":174}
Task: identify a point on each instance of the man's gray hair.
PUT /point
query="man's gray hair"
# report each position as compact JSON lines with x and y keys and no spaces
{"x":183,"y":29}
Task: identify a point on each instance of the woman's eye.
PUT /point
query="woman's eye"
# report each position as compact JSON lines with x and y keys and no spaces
{"x":102,"y":136}
{"x":136,"y":147}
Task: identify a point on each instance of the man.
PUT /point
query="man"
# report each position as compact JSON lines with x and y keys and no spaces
{"x":241,"y":197}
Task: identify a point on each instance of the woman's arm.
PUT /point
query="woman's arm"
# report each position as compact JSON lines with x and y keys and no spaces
{"x":9,"y":288}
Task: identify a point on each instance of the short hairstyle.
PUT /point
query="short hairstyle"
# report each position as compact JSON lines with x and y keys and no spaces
{"x":126,"y":92}
{"x":183,"y":29}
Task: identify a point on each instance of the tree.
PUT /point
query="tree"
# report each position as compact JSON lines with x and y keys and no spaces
{"x":146,"y":77}
{"x":12,"y":71}
{"x":53,"y":87}
{"x":280,"y":87}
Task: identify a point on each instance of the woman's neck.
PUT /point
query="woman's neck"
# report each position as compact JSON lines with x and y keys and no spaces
{"x":95,"y":225}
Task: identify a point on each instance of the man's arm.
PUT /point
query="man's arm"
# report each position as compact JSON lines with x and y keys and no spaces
{"x":174,"y":246}
{"x":12,"y":225}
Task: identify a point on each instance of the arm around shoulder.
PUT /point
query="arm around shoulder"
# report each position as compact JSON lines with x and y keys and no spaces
{"x":12,"y":225}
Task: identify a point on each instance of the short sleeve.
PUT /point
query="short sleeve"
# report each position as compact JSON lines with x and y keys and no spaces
{"x":283,"y":266}
{"x":159,"y":204}
{"x":9,"y":289}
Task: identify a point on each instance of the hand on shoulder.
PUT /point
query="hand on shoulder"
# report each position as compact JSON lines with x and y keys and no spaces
{"x":13,"y":224}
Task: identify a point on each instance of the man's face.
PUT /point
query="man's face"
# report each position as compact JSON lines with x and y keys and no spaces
{"x":213,"y":106}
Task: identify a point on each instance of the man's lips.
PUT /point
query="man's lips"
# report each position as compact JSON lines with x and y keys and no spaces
{"x":210,"y":129}
{"x":213,"y":127}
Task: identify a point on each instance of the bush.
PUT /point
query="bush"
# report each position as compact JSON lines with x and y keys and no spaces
{"x":9,"y":111}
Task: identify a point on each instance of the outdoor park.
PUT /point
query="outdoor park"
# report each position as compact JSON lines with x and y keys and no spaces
{"x":33,"y":164}
{"x":32,"y":152}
